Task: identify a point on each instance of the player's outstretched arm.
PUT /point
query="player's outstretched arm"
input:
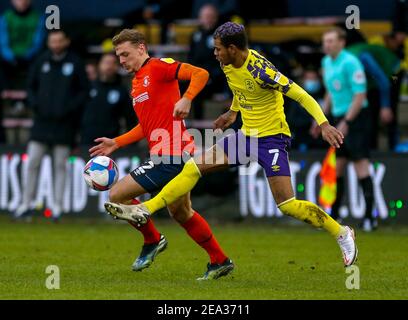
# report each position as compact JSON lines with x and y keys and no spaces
{"x":329,"y":133}
{"x":315,"y":129}
{"x":107,"y":146}
{"x":307,"y":102}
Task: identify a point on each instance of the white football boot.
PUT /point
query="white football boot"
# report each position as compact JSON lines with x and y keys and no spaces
{"x":348,"y":246}
{"x":133,"y":213}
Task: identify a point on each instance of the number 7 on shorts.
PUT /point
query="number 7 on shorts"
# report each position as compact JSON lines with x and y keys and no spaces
{"x":275,"y":157}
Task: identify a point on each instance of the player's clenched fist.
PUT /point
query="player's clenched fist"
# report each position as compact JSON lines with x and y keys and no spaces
{"x":182,"y":108}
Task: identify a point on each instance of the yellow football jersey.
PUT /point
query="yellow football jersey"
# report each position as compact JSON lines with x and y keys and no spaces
{"x":257,"y":87}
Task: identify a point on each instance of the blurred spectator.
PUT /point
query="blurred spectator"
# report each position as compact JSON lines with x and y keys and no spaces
{"x":57,"y":91}
{"x":256,"y":10}
{"x":345,"y":81}
{"x":91,"y":69}
{"x":22,"y":33}
{"x":353,"y":35}
{"x":400,"y":20}
{"x":109,"y":103}
{"x":226,"y":8}
{"x":166,"y":11}
{"x":380,"y":65}
{"x":201,"y":54}
{"x":299,"y":119}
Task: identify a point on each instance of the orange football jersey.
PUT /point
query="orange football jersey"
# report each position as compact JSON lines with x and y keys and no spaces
{"x":155,"y":91}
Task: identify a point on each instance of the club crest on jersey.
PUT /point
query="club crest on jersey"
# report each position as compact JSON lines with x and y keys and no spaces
{"x":359,"y":77}
{"x":146,"y":81}
{"x":249,"y":85}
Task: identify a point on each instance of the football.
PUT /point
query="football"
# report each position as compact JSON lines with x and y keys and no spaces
{"x":100,"y":173}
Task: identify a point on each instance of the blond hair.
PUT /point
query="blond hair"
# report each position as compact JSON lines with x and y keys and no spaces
{"x":133,"y":36}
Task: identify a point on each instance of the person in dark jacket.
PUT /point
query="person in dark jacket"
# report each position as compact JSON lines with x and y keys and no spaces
{"x":109,"y":103}
{"x":57,"y":91}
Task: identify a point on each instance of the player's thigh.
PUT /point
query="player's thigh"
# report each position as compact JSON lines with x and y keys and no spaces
{"x":125,"y":190}
{"x":181,"y":209}
{"x":281,"y":187}
{"x":231,"y":150}
{"x":211,"y":160}
{"x":273,"y":156}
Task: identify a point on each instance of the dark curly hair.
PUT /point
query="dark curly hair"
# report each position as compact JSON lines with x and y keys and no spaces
{"x":232,"y":33}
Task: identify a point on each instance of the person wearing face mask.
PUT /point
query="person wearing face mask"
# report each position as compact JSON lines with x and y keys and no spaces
{"x":312,"y":84}
{"x":299,"y":119}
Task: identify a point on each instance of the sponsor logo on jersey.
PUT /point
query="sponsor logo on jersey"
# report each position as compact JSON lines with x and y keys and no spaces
{"x":275,"y":168}
{"x":141,"y":97}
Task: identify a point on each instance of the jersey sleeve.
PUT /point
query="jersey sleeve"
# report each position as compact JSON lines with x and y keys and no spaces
{"x":355,"y":72}
{"x":130,"y":137}
{"x":166,"y":69}
{"x":307,"y":102}
{"x":234,"y":104}
{"x":268,"y":77}
{"x":198,"y":78}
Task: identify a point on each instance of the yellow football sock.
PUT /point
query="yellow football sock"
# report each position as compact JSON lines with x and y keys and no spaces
{"x":177,"y":187}
{"x":312,"y":214}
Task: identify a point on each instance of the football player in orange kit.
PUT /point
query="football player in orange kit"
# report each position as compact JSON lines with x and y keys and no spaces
{"x":160,"y":110}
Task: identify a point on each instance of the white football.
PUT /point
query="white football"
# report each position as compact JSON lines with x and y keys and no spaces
{"x":100,"y":173}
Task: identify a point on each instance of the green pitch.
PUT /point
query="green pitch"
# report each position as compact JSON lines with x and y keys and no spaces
{"x":272,"y":262}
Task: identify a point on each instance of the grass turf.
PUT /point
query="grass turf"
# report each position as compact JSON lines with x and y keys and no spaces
{"x":271,"y":263}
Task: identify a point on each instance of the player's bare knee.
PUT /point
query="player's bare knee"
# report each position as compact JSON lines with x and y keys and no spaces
{"x":115,"y":195}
